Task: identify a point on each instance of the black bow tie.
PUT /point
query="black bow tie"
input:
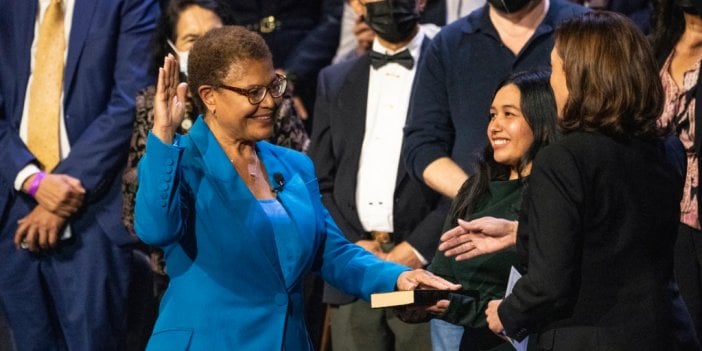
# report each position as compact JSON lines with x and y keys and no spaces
{"x":403,"y":58}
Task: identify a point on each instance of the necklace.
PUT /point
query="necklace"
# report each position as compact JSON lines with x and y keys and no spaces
{"x":251,"y":168}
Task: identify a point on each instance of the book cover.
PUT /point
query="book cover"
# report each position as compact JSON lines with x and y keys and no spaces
{"x":424,"y":297}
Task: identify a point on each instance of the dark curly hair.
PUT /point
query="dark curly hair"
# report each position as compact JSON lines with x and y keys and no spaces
{"x":612,"y":79}
{"x":219,"y":51}
{"x":166,"y":27}
{"x":538,"y":106}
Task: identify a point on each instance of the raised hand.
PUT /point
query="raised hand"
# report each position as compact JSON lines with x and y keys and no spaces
{"x":478,"y":237}
{"x":169,"y":102}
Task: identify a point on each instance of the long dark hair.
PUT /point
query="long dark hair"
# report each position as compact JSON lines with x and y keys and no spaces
{"x":668,"y":24}
{"x":538,"y":106}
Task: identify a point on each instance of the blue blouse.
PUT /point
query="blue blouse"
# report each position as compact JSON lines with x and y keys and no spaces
{"x":287,"y":240}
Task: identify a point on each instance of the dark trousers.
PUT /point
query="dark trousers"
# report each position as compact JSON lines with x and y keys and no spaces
{"x":357,"y":327}
{"x":688,"y":272}
{"x":73,"y":298}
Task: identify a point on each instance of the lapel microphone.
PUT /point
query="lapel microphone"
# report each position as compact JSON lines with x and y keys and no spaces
{"x":279,"y":181}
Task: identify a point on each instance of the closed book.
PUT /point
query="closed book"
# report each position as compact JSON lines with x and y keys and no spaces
{"x":425,"y":297}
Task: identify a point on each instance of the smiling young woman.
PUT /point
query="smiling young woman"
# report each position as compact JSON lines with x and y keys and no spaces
{"x":522,"y":122}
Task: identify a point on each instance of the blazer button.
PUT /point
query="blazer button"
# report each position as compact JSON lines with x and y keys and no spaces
{"x":164,"y":186}
{"x":280,"y":299}
{"x":164,"y":203}
{"x":169,"y":162}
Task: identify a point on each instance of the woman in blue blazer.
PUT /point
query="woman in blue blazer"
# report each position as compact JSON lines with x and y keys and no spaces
{"x":240,"y":220}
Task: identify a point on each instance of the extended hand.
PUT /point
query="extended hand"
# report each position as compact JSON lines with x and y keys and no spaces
{"x":478,"y":237}
{"x":420,"y":278}
{"x":493,"y":319}
{"x":60,"y":194}
{"x":38,"y":230}
{"x":169,"y":101}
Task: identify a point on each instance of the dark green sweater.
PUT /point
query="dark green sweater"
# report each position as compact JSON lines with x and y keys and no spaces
{"x":486,"y":273}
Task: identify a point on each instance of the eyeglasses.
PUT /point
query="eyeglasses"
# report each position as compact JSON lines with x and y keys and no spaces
{"x":257,"y":93}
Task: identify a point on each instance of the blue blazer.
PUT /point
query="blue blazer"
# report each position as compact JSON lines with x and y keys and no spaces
{"x":227,"y":289}
{"x":100,"y":82}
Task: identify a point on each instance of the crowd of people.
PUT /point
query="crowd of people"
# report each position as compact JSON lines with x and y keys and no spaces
{"x":243,"y":175}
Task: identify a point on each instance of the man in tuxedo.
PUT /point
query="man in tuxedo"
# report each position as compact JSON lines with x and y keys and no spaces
{"x":360,"y":110}
{"x":69,"y":72}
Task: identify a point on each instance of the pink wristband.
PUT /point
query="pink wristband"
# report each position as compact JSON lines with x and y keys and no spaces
{"x":34,"y":186}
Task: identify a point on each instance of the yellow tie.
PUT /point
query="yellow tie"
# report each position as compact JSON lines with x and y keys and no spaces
{"x":45,"y":89}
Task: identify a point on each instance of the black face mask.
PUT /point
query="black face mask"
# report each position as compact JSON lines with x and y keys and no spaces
{"x":508,"y":6}
{"x":393,"y":21}
{"x":690,"y":6}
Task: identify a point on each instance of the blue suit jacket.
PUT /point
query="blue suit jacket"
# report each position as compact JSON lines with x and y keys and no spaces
{"x":101,"y":80}
{"x":227,"y":289}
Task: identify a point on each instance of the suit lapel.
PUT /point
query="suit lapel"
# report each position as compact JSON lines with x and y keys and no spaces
{"x":296,"y":200}
{"x":234,"y":194}
{"x":24,"y":22}
{"x":352,"y":105}
{"x":82,"y":17}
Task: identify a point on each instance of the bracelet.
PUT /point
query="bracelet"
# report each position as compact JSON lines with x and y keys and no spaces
{"x":35,"y":184}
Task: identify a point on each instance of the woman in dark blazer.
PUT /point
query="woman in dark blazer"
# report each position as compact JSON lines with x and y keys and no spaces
{"x":240,"y":220}
{"x":601,"y":211}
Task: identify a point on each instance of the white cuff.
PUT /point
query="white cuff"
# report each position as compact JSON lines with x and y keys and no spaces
{"x":26,"y":172}
{"x":420,"y":257}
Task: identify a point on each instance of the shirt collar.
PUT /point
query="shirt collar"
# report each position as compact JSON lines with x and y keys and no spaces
{"x":479,"y":20}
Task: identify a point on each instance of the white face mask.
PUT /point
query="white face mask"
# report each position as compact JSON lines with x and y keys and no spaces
{"x":182,"y":57}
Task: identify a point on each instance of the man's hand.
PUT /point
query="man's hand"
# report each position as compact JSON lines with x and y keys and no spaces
{"x":39,"y":230}
{"x":60,"y":194}
{"x":420,"y":278}
{"x":478,"y":237}
{"x":493,"y":319}
{"x":364,"y":36}
{"x":403,"y":254}
{"x":372,"y":246}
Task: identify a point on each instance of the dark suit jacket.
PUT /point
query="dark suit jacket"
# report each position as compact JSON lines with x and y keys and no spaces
{"x":599,"y":221}
{"x":339,"y":127}
{"x":100,"y":84}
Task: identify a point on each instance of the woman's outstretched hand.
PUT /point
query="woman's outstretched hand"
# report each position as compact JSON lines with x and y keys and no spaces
{"x":419,"y":278}
{"x":478,"y":237}
{"x":169,"y":102}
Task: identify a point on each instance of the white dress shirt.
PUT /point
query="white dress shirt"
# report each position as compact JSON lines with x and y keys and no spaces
{"x":389,"y":89}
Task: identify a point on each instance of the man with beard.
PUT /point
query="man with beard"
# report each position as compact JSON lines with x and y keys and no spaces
{"x":360,"y":111}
